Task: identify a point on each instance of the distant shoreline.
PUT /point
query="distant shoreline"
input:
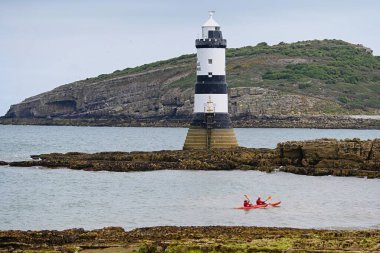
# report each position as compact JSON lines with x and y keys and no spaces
{"x":263,"y":121}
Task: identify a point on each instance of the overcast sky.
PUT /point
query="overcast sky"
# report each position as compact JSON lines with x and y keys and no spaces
{"x":47,"y":43}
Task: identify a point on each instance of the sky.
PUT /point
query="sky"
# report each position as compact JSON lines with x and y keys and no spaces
{"x":47,"y":43}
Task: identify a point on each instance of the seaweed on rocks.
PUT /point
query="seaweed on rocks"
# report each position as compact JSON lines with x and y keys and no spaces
{"x":190,"y":239}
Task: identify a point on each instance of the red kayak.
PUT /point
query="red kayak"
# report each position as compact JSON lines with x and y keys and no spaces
{"x":274,"y":204}
{"x":251,"y":207}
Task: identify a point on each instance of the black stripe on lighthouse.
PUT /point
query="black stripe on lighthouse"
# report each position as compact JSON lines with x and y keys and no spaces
{"x":211,"y":88}
{"x":206,"y":79}
{"x":210,"y":43}
{"x":222,"y":120}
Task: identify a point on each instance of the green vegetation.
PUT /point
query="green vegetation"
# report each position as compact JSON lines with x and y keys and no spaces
{"x":174,"y":62}
{"x":332,"y":69}
{"x":346,"y":63}
{"x":185,"y":82}
{"x":304,"y":243}
{"x":335,"y":70}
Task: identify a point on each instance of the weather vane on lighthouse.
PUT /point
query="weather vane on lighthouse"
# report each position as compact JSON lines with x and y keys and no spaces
{"x":211,"y":124}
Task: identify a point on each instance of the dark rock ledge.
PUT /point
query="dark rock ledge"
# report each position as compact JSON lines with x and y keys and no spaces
{"x":248,"y":121}
{"x":190,"y":239}
{"x":317,"y":158}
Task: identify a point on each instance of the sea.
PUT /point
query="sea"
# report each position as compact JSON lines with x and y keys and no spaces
{"x":39,"y":198}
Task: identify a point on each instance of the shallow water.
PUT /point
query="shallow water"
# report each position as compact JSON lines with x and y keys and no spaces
{"x":34,"y":198}
{"x":39,"y":198}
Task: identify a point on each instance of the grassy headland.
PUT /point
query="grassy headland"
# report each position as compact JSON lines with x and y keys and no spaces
{"x":345,"y":73}
{"x":307,"y":78}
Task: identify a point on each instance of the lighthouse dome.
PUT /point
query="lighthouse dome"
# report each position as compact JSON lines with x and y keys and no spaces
{"x":210,"y":21}
{"x":209,"y":25}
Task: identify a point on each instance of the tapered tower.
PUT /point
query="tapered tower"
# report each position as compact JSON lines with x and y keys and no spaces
{"x":211,"y":124}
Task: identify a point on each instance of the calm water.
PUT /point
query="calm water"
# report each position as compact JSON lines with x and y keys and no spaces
{"x":19,"y":142}
{"x":38,"y":198}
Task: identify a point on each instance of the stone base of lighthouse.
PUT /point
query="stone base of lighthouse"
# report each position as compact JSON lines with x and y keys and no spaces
{"x":215,"y":138}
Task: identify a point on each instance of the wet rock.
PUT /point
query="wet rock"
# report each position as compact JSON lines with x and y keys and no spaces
{"x":24,"y":164}
{"x":317,"y":157}
{"x":35,"y":157}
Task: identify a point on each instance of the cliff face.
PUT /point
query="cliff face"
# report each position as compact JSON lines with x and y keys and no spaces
{"x":123,"y":98}
{"x":140,"y":95}
{"x":304,"y":78}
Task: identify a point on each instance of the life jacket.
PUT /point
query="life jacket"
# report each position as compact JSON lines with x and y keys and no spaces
{"x":246,"y":203}
{"x":260,"y":202}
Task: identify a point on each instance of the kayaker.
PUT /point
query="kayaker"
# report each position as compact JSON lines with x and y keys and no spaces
{"x":259,"y":201}
{"x":247,"y":203}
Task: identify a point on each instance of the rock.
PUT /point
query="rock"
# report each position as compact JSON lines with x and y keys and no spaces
{"x":185,"y":239}
{"x":35,"y":157}
{"x":316,"y":157}
{"x":330,"y":156}
{"x":23,"y":164}
{"x":2,"y":163}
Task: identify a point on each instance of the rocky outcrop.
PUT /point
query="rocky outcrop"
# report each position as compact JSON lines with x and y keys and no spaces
{"x":240,"y":158}
{"x":318,"y":157}
{"x":331,"y":157}
{"x":190,"y":239}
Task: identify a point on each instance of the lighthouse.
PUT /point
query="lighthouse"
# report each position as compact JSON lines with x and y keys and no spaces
{"x":211,"y":124}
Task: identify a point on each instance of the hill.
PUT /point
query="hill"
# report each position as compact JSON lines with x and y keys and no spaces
{"x":316,"y":77}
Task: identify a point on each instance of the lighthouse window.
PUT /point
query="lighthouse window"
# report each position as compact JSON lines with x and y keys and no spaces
{"x":209,"y":61}
{"x":209,"y":74}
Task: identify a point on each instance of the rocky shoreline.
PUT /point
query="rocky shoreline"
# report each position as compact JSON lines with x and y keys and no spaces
{"x":190,"y":239}
{"x":247,"y":121}
{"x":350,"y":157}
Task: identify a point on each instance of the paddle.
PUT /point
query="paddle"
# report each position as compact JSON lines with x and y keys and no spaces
{"x":269,"y":198}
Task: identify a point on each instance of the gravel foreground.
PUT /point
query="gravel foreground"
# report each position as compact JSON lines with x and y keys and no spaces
{"x":191,"y":239}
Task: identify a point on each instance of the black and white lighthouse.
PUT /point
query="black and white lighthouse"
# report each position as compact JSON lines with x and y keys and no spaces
{"x":211,"y":125}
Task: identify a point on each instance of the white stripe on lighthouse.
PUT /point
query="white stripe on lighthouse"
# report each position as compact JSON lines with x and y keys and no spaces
{"x":220,"y":102}
{"x":216,"y":67}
